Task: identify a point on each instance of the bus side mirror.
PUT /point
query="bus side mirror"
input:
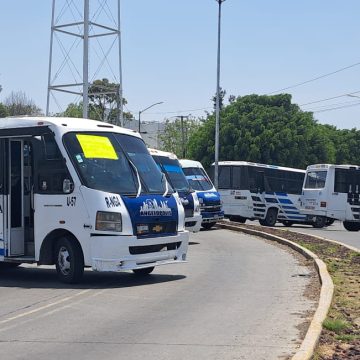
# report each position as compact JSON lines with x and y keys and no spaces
{"x":67,"y":186}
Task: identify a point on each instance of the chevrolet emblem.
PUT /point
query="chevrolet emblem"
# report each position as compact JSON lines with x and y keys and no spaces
{"x":157,"y":228}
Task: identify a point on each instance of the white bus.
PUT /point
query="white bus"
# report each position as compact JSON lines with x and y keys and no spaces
{"x":264,"y":192}
{"x":170,"y":166}
{"x":80,"y":193}
{"x":332,"y":192}
{"x":209,"y":198}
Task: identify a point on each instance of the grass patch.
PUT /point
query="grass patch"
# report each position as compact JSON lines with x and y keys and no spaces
{"x":347,"y":338}
{"x":335,"y":325}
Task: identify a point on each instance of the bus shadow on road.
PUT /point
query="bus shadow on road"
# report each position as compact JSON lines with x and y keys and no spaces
{"x":40,"y":278}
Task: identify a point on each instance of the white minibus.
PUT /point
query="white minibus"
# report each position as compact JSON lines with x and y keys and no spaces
{"x":81,"y":193}
{"x":209,"y":198}
{"x":170,"y":166}
{"x":267,"y":193}
{"x":332,"y":192}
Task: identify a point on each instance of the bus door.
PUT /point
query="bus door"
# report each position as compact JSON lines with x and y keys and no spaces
{"x":2,"y":199}
{"x":260,"y":181}
{"x":16,"y":244}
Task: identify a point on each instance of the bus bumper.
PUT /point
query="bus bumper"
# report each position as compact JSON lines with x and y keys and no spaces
{"x":193,"y":224}
{"x":212,"y":217}
{"x":120,"y":253}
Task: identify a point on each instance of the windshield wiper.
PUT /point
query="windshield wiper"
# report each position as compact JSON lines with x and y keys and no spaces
{"x":138,"y":178}
{"x":166,"y":184}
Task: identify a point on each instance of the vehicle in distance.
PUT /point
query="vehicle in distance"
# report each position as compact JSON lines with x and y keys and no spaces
{"x":332,"y":192}
{"x":170,"y":166}
{"x":209,"y":198}
{"x":267,"y":193}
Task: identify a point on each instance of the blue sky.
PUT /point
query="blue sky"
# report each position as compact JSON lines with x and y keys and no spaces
{"x":169,"y":53}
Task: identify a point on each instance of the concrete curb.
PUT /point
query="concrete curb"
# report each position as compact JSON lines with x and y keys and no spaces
{"x":311,"y":339}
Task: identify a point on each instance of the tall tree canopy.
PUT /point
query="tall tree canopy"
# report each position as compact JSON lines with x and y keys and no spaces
{"x":272,"y":130}
{"x":103,"y":103}
{"x":175,"y":136}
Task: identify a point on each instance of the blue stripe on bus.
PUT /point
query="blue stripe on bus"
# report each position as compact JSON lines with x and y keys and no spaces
{"x":269,"y":193}
{"x":289,"y":207}
{"x":292,"y":212}
{"x":2,"y":252}
{"x":281,"y":194}
{"x":285,"y":201}
{"x":297,"y":217}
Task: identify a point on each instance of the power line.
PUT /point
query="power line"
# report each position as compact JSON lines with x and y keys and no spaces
{"x":314,"y":79}
{"x":331,"y":98}
{"x":336,"y":108}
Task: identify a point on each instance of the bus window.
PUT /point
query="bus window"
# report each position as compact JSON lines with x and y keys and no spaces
{"x":239,"y":178}
{"x":224,"y":177}
{"x":315,"y":179}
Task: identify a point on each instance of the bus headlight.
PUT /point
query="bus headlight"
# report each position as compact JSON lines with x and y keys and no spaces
{"x":108,"y":221}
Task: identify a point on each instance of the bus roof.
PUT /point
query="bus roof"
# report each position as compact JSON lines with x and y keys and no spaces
{"x":62,"y":124}
{"x":186,"y":163}
{"x":247,"y":163}
{"x":155,"y":152}
{"x":328,"y":166}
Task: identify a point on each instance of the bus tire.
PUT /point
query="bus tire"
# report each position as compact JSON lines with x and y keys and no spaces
{"x":144,"y":271}
{"x":237,"y":218}
{"x":320,"y":222}
{"x":69,"y":261}
{"x":270,"y":218}
{"x":329,"y":221}
{"x":351,"y":225}
{"x":208,"y":226}
{"x":287,"y":223}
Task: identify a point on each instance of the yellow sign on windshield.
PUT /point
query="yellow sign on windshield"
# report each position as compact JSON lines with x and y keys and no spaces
{"x":98,"y":147}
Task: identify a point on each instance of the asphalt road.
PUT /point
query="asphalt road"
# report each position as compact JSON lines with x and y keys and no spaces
{"x":238,"y":297}
{"x":334,"y":232}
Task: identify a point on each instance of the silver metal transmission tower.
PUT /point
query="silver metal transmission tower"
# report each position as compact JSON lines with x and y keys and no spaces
{"x":85,"y":45}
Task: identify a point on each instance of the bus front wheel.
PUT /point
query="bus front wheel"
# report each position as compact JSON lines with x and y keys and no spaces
{"x":351,"y":225}
{"x":69,"y":261}
{"x":320,"y":222}
{"x":287,"y":223}
{"x":270,"y":218}
{"x":237,"y":218}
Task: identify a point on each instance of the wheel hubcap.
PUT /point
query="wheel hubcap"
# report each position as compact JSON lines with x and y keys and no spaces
{"x":64,"y":260}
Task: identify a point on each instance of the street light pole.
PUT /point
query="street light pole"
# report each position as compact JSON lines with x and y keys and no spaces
{"x":141,"y":111}
{"x":217,"y":119}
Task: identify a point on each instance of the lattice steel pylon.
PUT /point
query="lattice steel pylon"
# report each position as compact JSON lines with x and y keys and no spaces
{"x":85,"y":35}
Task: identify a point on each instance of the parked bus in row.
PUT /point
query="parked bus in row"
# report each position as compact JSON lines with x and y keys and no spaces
{"x":81,"y":193}
{"x":332,"y":191}
{"x":170,"y":166}
{"x":263,"y":192}
{"x":209,"y":198}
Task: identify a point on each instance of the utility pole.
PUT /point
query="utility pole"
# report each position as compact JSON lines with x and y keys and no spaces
{"x":217,"y":121}
{"x":71,"y":72}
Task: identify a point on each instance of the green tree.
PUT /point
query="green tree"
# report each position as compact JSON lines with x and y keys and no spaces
{"x":3,"y":111}
{"x":266,"y":129}
{"x":103,"y":103}
{"x":174,"y":133}
{"x":17,"y":103}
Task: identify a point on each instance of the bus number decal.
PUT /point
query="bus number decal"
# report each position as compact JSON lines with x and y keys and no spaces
{"x":112,"y":201}
{"x":71,"y":201}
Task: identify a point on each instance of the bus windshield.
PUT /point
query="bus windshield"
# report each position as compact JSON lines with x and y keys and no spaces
{"x":198,"y":179}
{"x":315,"y":179}
{"x":174,"y":173}
{"x":107,"y":162}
